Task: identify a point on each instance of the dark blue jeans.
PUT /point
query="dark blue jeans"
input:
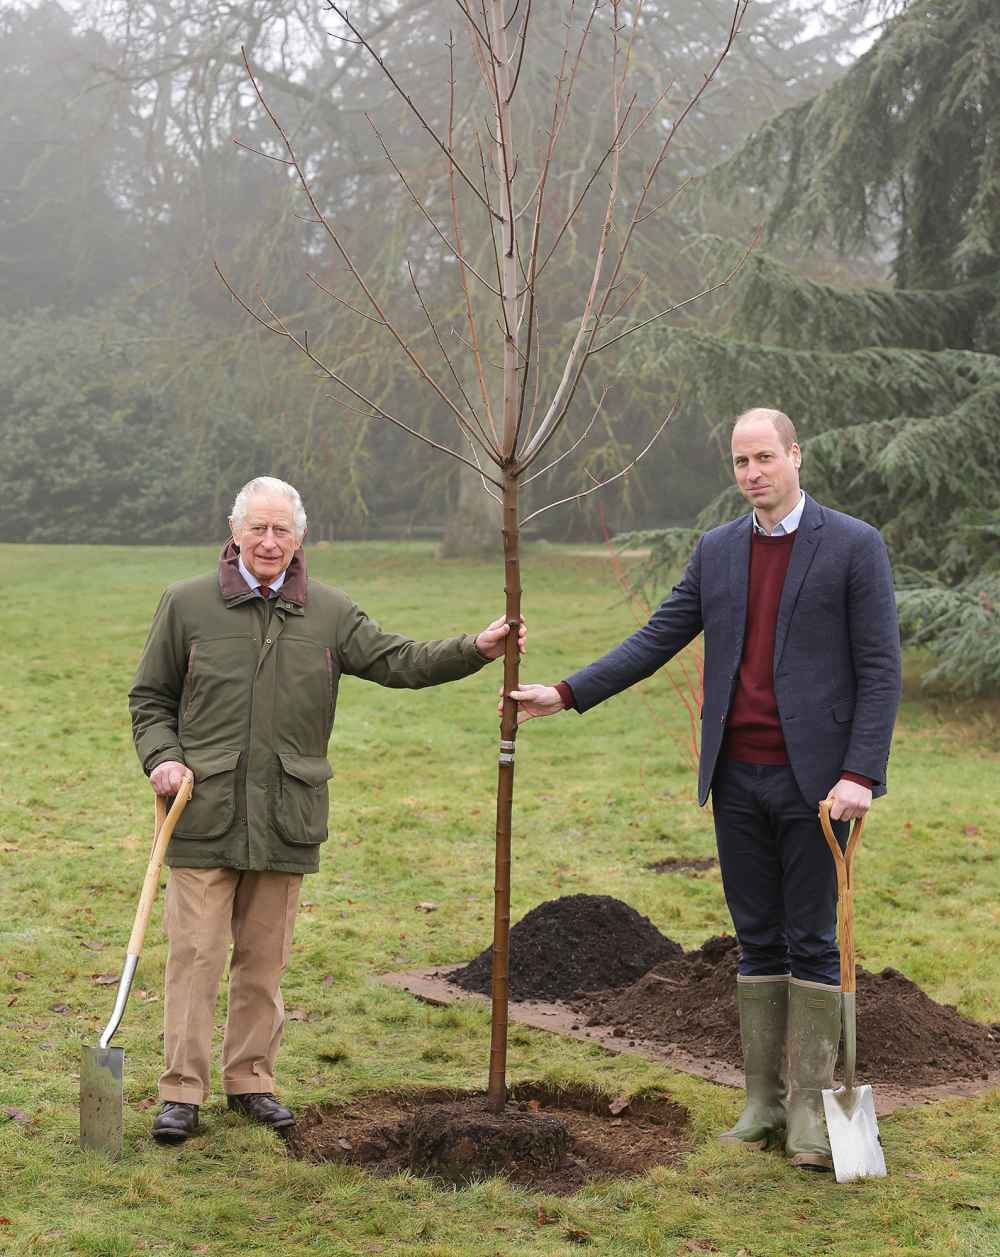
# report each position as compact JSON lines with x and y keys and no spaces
{"x":777,"y":872}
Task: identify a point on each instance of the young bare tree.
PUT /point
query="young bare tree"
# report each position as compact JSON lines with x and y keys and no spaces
{"x":507,"y":379}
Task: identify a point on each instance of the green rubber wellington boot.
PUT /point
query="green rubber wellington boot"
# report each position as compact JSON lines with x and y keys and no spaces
{"x":763,"y":1005}
{"x":814,"y":1020}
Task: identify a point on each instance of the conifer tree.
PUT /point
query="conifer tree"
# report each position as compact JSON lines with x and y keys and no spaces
{"x":895,"y":389}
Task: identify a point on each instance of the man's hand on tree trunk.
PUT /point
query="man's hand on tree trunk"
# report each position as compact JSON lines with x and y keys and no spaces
{"x":535,"y":700}
{"x":490,"y":642}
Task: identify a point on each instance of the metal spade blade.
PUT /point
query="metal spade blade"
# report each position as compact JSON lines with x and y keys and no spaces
{"x":850,"y":1113}
{"x":102,"y":1100}
{"x":853,"y":1131}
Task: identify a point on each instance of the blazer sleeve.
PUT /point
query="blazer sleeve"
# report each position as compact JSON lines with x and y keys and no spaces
{"x":674,"y":623}
{"x":874,"y":629}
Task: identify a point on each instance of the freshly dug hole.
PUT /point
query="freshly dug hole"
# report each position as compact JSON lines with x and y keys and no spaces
{"x":603,"y":1137}
{"x":462,"y":1141}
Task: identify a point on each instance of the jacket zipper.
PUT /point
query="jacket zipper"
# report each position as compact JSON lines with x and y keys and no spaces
{"x":190,"y":678}
{"x":329,"y":672}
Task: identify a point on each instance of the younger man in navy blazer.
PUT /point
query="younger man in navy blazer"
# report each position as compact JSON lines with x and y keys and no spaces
{"x":802,"y":682}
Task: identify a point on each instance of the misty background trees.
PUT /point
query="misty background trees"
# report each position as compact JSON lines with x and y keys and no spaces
{"x":133,"y":397}
{"x":122,"y":183}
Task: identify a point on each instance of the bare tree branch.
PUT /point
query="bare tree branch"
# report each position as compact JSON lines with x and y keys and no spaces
{"x":666,"y":201}
{"x":341,"y":249}
{"x":560,"y":102}
{"x":493,"y":234}
{"x":423,"y":209}
{"x":571,"y":371}
{"x":475,"y":454}
{"x":456,"y":226}
{"x":342,"y":14}
{"x":626,"y":299}
{"x":574,"y":369}
{"x":278,"y":328}
{"x":483,"y":438}
{"x":610,"y":480}
{"x":615,"y":144}
{"x":340,"y":300}
{"x":474,"y":27}
{"x":687,"y":301}
{"x":523,"y":36}
{"x":260,"y":152}
{"x":566,"y":453}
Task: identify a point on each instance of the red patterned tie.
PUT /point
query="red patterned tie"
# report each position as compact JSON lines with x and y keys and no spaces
{"x":265,"y":591}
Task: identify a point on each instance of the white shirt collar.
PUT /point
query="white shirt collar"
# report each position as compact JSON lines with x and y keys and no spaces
{"x":788,"y":524}
{"x":254,"y":583}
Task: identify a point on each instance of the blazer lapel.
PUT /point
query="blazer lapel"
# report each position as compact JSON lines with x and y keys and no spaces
{"x":739,"y":579}
{"x":810,"y":532}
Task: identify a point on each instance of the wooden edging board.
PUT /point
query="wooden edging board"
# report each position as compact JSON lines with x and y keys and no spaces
{"x":433,"y":987}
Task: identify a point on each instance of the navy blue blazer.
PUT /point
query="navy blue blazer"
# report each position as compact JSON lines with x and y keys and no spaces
{"x":836,"y":647}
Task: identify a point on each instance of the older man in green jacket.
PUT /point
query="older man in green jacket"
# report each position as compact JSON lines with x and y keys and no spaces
{"x":238,"y":684}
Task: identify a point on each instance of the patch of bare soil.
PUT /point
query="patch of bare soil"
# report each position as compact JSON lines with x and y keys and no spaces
{"x":683,"y":864}
{"x":608,"y":1137}
{"x":572,"y":944}
{"x":904,"y":1037}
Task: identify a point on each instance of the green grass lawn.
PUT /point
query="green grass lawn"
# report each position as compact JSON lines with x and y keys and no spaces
{"x":597,"y":799}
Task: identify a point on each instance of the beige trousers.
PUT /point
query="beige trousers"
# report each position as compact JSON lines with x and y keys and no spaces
{"x":205,"y":910}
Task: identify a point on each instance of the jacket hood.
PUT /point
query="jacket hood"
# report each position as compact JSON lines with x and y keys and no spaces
{"x":232,"y":585}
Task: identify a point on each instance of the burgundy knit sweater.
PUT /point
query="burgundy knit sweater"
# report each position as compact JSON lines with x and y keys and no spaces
{"x":753,"y":730}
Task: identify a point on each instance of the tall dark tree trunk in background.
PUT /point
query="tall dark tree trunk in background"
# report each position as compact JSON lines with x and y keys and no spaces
{"x":473,"y":524}
{"x":506,"y":435}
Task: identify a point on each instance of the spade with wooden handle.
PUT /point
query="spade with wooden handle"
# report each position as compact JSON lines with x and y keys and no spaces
{"x":102,"y":1068}
{"x":850,"y":1109}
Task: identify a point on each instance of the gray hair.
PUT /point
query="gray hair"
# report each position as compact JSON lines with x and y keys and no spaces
{"x":269,"y":484}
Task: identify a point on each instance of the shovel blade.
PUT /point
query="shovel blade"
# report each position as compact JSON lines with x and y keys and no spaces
{"x":102,"y":1100}
{"x":853,"y":1130}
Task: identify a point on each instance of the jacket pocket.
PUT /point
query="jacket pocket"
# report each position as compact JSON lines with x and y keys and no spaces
{"x":300,"y":805}
{"x":844,"y":711}
{"x":212,"y":806}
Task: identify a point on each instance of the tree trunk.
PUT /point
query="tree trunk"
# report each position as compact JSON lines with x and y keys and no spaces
{"x":497,"y":1089}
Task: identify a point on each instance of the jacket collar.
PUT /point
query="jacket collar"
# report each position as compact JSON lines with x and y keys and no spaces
{"x":235,"y":590}
{"x":803,"y":552}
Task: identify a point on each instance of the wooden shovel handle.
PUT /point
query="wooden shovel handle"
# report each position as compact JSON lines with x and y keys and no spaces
{"x":165,"y":823}
{"x":845,"y":891}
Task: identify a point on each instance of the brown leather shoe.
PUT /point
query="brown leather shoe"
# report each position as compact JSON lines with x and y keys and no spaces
{"x":263,"y":1107}
{"x":174,"y":1122}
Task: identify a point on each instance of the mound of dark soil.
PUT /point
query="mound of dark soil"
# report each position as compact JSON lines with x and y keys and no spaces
{"x":576,"y":943}
{"x":904,"y":1037}
{"x":607,"y":1137}
{"x":688,"y":1000}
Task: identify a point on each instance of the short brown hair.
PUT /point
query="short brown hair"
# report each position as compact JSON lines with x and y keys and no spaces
{"x":782,"y":424}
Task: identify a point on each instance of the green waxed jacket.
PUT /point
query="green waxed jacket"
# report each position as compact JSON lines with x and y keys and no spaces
{"x":244,"y":692}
